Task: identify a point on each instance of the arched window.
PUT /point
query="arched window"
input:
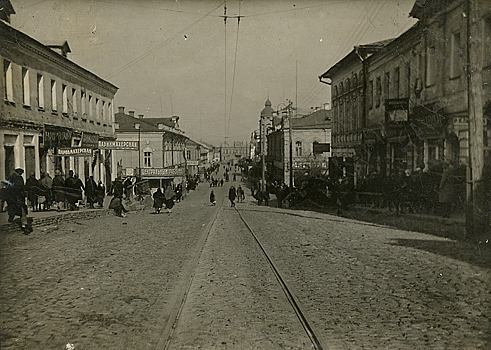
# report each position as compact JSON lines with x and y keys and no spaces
{"x":298,"y":148}
{"x":355,"y":80}
{"x":335,"y":91}
{"x":348,"y":84}
{"x":341,"y":88}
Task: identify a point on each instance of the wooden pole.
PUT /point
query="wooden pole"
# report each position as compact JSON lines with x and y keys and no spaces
{"x":479,"y":224}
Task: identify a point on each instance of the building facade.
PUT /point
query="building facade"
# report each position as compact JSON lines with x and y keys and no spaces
{"x":152,"y":149}
{"x":54,"y":112}
{"x":310,"y":146}
{"x":411,"y":107}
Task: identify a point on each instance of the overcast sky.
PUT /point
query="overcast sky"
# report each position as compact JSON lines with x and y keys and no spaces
{"x":173,"y":57}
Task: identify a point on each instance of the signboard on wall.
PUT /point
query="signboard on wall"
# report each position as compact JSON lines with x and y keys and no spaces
{"x":90,"y":140}
{"x":74,"y":152}
{"x":119,"y":145}
{"x":162,"y":172}
{"x":397,"y":109}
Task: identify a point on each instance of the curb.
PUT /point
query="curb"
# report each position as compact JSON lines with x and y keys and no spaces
{"x":58,"y":218}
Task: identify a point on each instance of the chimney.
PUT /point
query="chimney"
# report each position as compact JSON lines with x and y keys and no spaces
{"x":140,"y":116}
{"x":131,"y":113}
{"x":121,"y":109}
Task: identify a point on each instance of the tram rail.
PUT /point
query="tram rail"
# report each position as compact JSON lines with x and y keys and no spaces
{"x":167,"y":334}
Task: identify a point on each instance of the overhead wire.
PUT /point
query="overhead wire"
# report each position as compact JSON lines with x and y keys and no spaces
{"x":233,"y":75}
{"x":147,"y":53}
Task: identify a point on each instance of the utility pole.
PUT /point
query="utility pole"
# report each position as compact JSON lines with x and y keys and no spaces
{"x":290,"y":132}
{"x":477,"y":223}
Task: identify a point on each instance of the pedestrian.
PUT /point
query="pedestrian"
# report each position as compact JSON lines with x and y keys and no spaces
{"x":71,"y":190}
{"x":118,"y":188}
{"x":101,"y":193}
{"x":16,"y":199}
{"x":158,"y":200}
{"x":169,"y":198}
{"x":47,"y":183}
{"x":212,"y":198}
{"x":232,"y":194}
{"x":240,"y":194}
{"x":32,"y":189}
{"x":79,"y":188}
{"x":58,"y":189}
{"x":3,"y":195}
{"x":117,"y":205}
{"x":90,"y":191}
{"x":446,"y":195}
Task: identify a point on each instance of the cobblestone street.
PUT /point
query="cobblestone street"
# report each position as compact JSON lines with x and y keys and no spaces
{"x":113,"y":283}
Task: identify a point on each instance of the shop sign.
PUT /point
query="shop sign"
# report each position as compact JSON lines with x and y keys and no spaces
{"x":162,"y":172}
{"x":90,"y":140}
{"x":74,"y":152}
{"x":397,"y":109}
{"x":192,"y":162}
{"x":119,"y":145}
{"x":54,"y":136}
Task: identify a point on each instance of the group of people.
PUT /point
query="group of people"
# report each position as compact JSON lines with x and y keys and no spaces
{"x":48,"y":193}
{"x":164,"y":198}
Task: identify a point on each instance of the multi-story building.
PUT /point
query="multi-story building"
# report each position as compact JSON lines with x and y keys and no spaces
{"x":54,"y":112}
{"x":231,"y":153}
{"x":310,"y":146}
{"x":405,"y":105}
{"x":153,"y":149}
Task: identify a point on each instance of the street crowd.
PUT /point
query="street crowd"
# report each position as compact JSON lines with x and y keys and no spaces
{"x":438,"y":192}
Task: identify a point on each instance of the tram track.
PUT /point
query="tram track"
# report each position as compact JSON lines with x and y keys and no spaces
{"x":302,"y":316}
{"x":167,"y":335}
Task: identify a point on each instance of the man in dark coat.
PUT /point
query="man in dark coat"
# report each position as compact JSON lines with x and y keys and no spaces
{"x":101,"y":193}
{"x":169,"y":198}
{"x":33,"y":191}
{"x":16,"y":198}
{"x":91,"y":191}
{"x":58,"y":189}
{"x":118,"y":189}
{"x":232,"y":194}
{"x":46,"y":183}
{"x":72,"y":188}
{"x":158,"y":200}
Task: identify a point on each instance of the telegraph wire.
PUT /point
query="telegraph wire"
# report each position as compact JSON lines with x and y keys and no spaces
{"x":147,"y":53}
{"x":235,"y":65}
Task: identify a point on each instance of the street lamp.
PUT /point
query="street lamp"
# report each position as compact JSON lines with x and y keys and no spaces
{"x":137,"y":126}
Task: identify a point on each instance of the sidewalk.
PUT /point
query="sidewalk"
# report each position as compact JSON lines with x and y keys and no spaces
{"x":44,"y":218}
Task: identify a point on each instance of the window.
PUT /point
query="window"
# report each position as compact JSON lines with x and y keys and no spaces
{"x":486,"y":43}
{"x":83,"y":101}
{"x":53,"y":96}
{"x":26,"y":91}
{"x":370,"y":94}
{"x":147,"y":159}
{"x":335,"y":91}
{"x":90,"y":106}
{"x":7,"y":78}
{"x":387,"y":85}
{"x":97,"y":108}
{"x":298,"y":148}
{"x":104,"y":110}
{"x":64,"y":107}
{"x":456,"y":56}
{"x":397,"y":82}
{"x":74,"y":101}
{"x":40,"y":91}
{"x":378,"y":94}
{"x":188,"y":154}
{"x":431,"y":65}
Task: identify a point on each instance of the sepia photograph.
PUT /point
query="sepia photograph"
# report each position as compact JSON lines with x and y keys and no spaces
{"x":245,"y":174}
